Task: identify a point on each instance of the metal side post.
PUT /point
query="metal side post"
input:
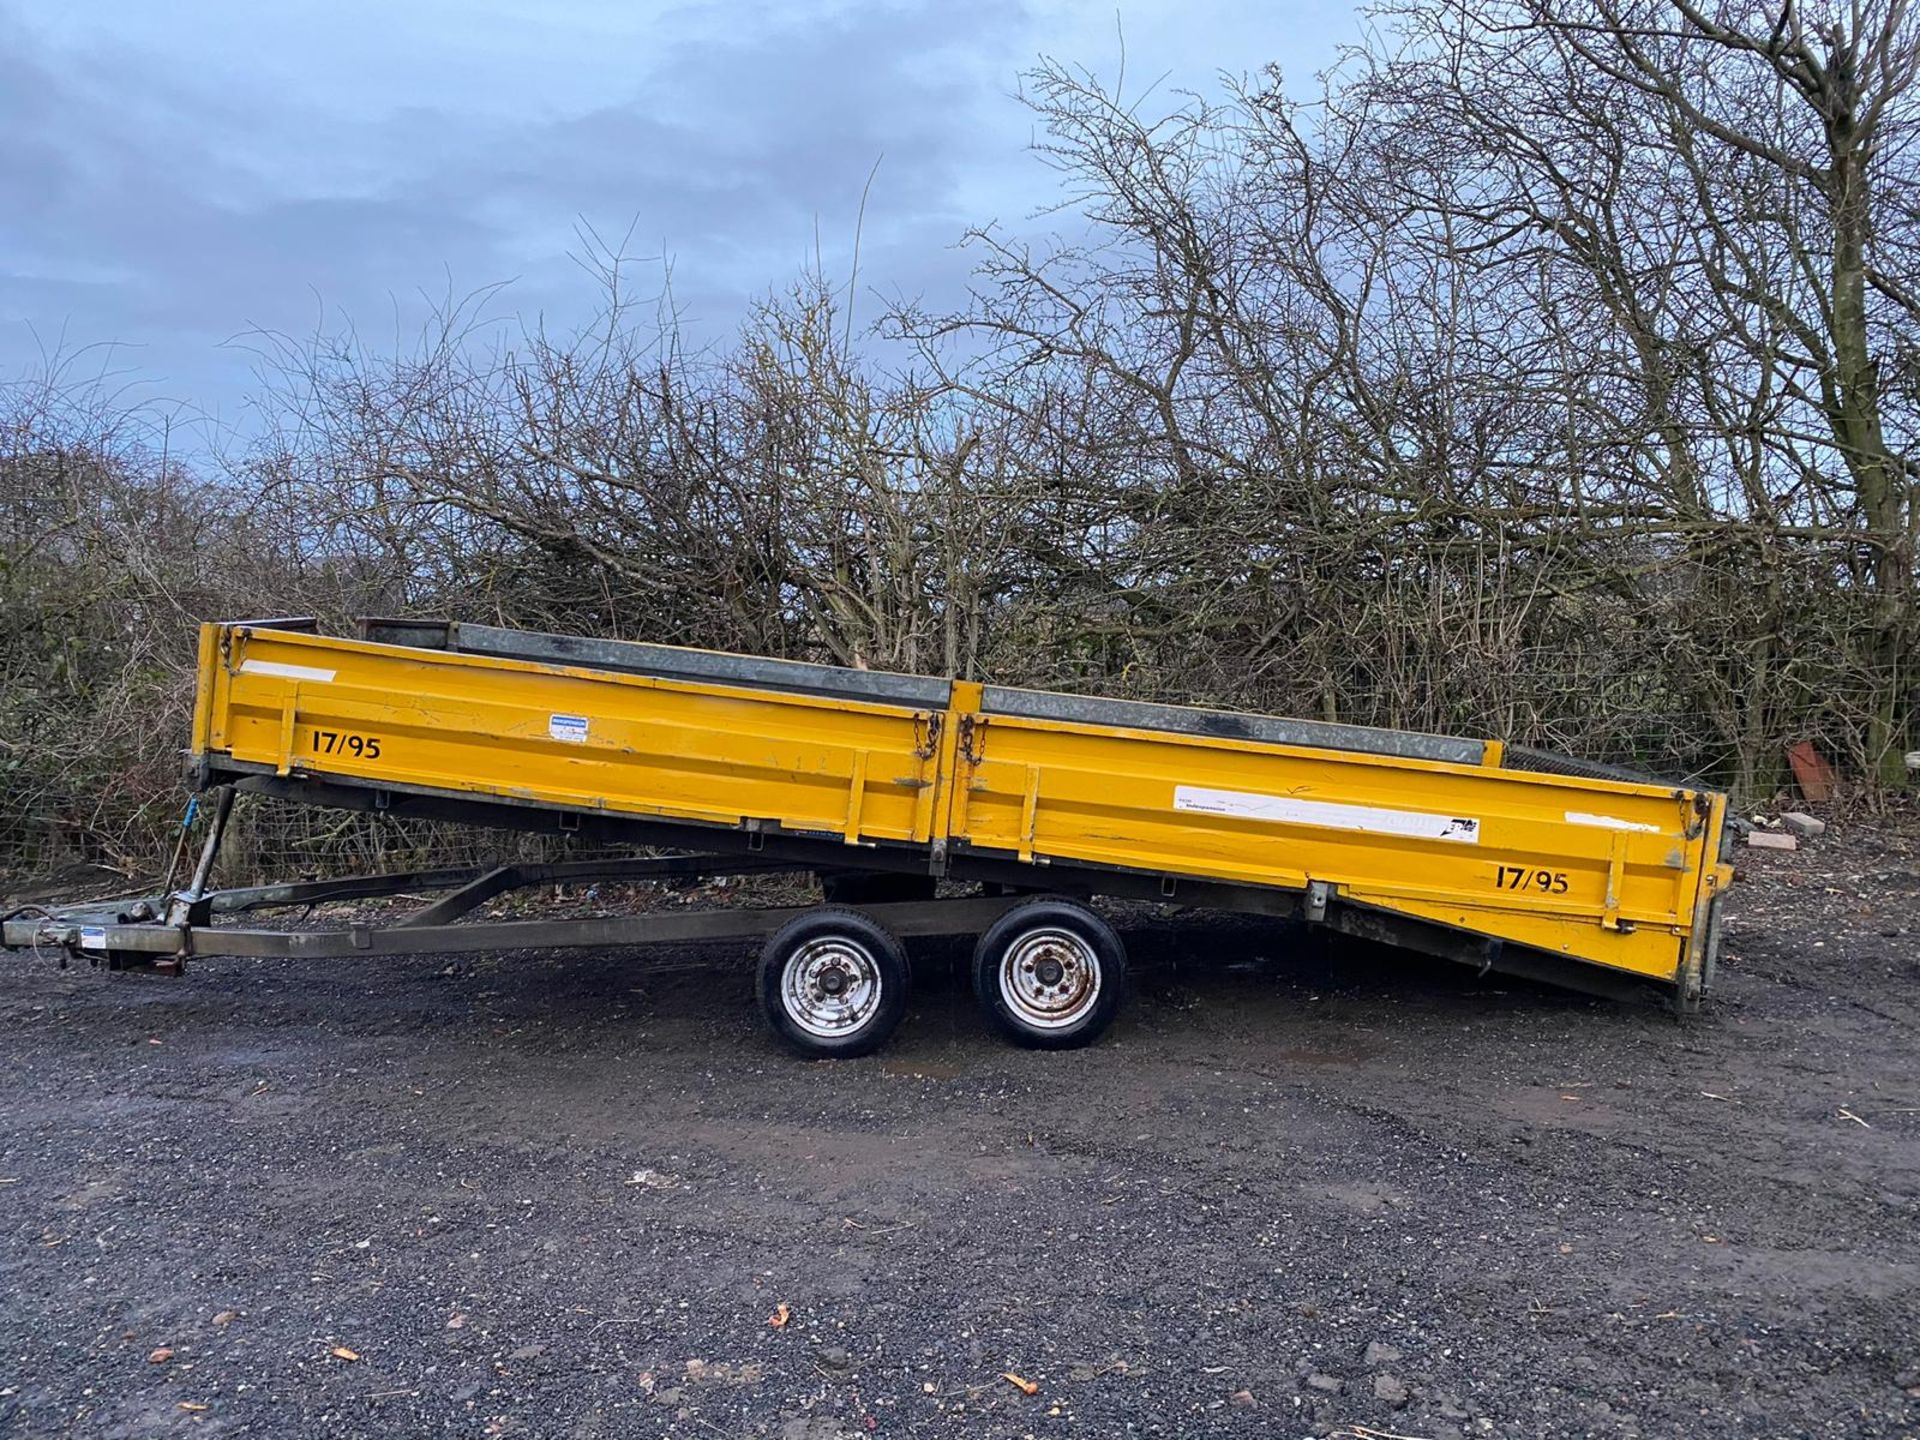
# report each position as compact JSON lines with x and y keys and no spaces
{"x":188,"y":906}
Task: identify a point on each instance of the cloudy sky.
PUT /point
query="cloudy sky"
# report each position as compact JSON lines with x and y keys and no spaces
{"x":178,"y":175}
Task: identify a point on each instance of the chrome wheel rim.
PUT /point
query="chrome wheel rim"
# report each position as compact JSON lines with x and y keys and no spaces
{"x":830,"y":987}
{"x":1049,"y":978}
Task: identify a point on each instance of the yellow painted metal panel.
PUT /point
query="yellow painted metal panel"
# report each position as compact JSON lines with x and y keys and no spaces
{"x":584,"y":739}
{"x":1519,"y":856}
{"x":206,"y":672}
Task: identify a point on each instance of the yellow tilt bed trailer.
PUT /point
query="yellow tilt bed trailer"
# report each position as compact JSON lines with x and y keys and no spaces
{"x":884,"y":785}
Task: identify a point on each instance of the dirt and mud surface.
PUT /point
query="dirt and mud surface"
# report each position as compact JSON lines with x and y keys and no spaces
{"x":1290,"y":1194}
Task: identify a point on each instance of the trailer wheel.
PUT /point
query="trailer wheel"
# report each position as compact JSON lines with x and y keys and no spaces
{"x":1049,"y":974}
{"x":833,"y":983}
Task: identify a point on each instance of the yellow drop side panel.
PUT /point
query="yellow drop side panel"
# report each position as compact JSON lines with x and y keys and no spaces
{"x":301,"y":704}
{"x":1617,"y":874}
{"x":1597,"y":870}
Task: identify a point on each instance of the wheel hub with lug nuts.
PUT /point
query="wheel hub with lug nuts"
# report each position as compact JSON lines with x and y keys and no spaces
{"x":830,"y":986}
{"x":1050,"y":978}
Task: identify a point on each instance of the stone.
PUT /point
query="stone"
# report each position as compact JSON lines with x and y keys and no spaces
{"x":1324,"y":1383}
{"x":1390,"y":1390}
{"x":812,"y":1427}
{"x":1448,"y":1408}
{"x":1770,"y":840}
{"x":1807,"y":827}
{"x":833,"y":1357}
{"x":1380,"y":1353}
{"x":1242,"y":1398}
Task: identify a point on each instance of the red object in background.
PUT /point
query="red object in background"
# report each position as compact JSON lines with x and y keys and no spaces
{"x":1810,"y":769}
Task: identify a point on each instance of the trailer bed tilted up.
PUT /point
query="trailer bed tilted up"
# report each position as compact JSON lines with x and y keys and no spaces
{"x":884,"y":784}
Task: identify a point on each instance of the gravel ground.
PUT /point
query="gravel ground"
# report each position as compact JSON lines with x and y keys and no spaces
{"x":1291,"y":1193}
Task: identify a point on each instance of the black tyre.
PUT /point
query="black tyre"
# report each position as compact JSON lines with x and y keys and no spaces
{"x":1050,"y":974}
{"x":833,"y":984}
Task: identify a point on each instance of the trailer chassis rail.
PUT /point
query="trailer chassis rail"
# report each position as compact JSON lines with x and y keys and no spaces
{"x":132,"y":935}
{"x":128,"y":936}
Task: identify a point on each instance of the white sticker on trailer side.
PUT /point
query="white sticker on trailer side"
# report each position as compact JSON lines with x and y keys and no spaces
{"x":1284,"y":809}
{"x":570,"y":728}
{"x":1608,"y":822}
{"x":286,"y":672}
